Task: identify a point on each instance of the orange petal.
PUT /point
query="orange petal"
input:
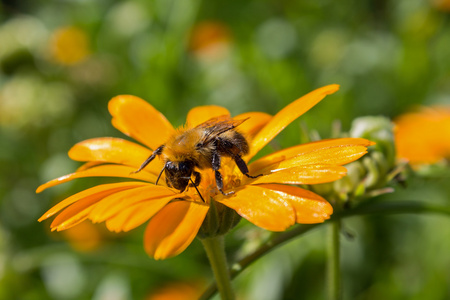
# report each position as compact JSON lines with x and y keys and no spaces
{"x":115,"y":203}
{"x":89,"y":165}
{"x":309,"y":207}
{"x":72,"y":216}
{"x":331,"y":152}
{"x":261,"y":206}
{"x":256,"y":121}
{"x":109,"y":149}
{"x":114,"y":150}
{"x":173,"y":228}
{"x":200,"y":114}
{"x":134,"y":216}
{"x":101,"y":171}
{"x":312,"y":174}
{"x":140,"y":120}
{"x":97,"y":192}
{"x":287,"y":115}
{"x":69,"y":223}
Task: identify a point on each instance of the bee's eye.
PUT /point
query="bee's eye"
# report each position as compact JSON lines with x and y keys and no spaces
{"x":185,"y":167}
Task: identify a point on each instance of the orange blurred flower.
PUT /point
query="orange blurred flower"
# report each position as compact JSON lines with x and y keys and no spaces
{"x":69,"y":45}
{"x":269,"y":201}
{"x":85,"y":237}
{"x":177,"y":291}
{"x":443,"y":5}
{"x":210,"y":40}
{"x":423,"y":136}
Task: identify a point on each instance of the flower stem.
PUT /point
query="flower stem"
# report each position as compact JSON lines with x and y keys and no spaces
{"x":334,"y":261}
{"x":214,"y":247}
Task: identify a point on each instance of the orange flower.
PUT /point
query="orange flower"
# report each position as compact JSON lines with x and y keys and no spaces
{"x":85,"y":237}
{"x":423,"y":136}
{"x":69,"y":45}
{"x":175,"y":218}
{"x":443,"y":5}
{"x":177,"y":291}
{"x":210,"y":40}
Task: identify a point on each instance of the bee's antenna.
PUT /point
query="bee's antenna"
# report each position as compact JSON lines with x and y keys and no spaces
{"x":197,"y":190}
{"x":160,"y":173}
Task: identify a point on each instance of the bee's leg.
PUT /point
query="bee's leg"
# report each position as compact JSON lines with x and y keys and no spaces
{"x":226,"y":147}
{"x":219,"y":183}
{"x":243,"y":166}
{"x":158,"y":151}
{"x":215,"y":162}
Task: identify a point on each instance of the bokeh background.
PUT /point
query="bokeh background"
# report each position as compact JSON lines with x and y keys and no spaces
{"x":61,"y":62}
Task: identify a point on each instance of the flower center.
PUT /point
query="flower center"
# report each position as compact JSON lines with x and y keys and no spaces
{"x":208,"y":186}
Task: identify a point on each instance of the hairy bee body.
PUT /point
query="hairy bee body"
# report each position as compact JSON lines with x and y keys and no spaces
{"x":201,"y":147}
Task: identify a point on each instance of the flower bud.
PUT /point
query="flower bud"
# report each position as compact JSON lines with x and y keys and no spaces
{"x":379,"y":130}
{"x":219,"y":220}
{"x":373,"y":171}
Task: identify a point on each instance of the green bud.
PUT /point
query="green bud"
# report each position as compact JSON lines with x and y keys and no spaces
{"x":369,"y":174}
{"x":219,"y":220}
{"x":379,"y":130}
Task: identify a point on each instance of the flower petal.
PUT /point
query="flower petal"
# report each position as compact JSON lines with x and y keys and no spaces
{"x":309,"y":207}
{"x":312,"y":174}
{"x":117,"y":202}
{"x":114,"y":150}
{"x":200,"y":114}
{"x":74,"y":214}
{"x":331,"y":152}
{"x":140,"y":120}
{"x":89,"y":165}
{"x":101,"y":171}
{"x":135,"y":215}
{"x":261,"y":206}
{"x":97,"y":192}
{"x":173,"y":228}
{"x":256,"y":121}
{"x":287,"y":115}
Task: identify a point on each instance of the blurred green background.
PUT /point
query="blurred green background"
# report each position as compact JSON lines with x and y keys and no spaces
{"x":61,"y":62}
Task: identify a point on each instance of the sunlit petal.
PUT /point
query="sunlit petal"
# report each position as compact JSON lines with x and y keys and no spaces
{"x":73,"y":215}
{"x":117,"y":202}
{"x":137,"y":214}
{"x":332,"y":152}
{"x":89,"y":164}
{"x":310,"y":174}
{"x":97,"y":192}
{"x":263,"y":207}
{"x":112,"y":150}
{"x":309,"y":207}
{"x":201,"y":114}
{"x":101,"y":171}
{"x":173,"y":228}
{"x":287,"y":115}
{"x":254,"y":123}
{"x":140,"y":120}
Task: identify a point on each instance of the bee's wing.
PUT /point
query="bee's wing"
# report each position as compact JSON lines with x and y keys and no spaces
{"x":218,"y":125}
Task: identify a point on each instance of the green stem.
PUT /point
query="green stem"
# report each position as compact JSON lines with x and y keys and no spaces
{"x":400,"y":207}
{"x":215,"y":249}
{"x":334,"y":261}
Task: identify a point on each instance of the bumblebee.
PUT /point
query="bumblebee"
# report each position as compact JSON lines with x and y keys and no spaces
{"x":201,"y":147}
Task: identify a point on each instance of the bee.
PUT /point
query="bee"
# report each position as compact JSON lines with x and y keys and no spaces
{"x":201,"y":147}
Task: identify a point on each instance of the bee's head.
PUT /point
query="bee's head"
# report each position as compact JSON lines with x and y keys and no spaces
{"x":178,"y":174}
